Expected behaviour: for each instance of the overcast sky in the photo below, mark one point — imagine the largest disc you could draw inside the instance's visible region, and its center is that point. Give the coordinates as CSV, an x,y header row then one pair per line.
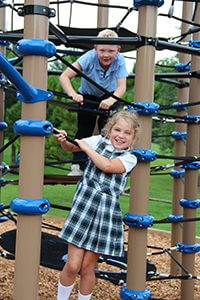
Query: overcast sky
x,y
85,16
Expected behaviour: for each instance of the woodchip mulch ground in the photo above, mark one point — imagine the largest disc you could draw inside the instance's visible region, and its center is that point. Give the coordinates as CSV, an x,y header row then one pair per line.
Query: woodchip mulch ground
x,y
167,289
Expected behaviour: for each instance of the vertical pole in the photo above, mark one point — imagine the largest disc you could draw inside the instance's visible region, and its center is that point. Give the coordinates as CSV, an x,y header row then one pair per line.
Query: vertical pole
x,y
31,166
102,15
178,186
191,178
2,93
144,89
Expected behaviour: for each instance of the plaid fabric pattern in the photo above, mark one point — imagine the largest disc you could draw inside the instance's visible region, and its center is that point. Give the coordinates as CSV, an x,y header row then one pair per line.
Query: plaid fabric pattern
x,y
95,220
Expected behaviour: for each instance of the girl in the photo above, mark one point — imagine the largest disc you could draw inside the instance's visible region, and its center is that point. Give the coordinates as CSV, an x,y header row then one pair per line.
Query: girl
x,y
94,225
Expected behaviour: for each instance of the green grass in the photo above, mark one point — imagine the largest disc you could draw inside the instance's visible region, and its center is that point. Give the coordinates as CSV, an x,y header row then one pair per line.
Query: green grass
x,y
160,188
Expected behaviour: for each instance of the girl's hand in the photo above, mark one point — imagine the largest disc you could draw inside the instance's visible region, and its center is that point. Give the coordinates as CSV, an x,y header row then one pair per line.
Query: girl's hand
x,y
78,98
60,137
107,103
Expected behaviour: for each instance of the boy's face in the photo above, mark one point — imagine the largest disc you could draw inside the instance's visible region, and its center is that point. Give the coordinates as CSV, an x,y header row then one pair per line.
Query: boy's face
x,y
106,54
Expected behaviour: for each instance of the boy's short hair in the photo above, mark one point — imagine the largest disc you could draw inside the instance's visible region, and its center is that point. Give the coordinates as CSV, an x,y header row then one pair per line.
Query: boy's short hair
x,y
107,33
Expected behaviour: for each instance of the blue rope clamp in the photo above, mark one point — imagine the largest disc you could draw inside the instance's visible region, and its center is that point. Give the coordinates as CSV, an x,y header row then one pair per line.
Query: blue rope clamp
x,y
138,3
179,135
2,182
179,106
149,108
181,67
30,206
3,42
36,47
33,127
194,118
127,294
3,126
174,217
188,248
195,165
139,221
144,154
190,203
194,43
177,173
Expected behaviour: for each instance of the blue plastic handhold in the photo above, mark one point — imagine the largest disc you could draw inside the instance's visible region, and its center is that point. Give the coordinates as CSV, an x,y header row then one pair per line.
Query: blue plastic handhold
x,y
30,206
33,127
190,203
139,221
188,248
36,47
127,294
177,173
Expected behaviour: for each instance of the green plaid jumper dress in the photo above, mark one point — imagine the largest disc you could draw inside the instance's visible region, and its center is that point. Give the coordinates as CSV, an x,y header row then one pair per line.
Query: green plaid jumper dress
x,y
95,220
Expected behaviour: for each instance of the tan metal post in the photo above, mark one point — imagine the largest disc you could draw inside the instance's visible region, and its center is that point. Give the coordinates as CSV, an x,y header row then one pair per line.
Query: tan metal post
x,y
2,93
103,13
178,186
144,89
31,166
191,179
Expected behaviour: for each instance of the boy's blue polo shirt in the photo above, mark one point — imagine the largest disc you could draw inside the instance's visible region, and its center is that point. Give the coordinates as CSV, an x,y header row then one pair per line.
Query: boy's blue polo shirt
x,y
91,67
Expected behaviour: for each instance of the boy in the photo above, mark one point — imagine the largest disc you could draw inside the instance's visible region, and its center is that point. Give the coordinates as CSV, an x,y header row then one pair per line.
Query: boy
x,y
106,66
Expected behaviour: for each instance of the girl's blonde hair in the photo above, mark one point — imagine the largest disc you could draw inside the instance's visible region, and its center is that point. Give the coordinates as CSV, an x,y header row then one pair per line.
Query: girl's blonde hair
x,y
107,33
130,117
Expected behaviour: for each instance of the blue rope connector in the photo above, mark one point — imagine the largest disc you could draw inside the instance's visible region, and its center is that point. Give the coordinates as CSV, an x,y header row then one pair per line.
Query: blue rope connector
x,y
188,248
33,127
195,165
139,221
190,203
179,135
177,173
181,67
144,154
149,108
3,125
30,206
126,294
36,47
194,43
174,217
180,105
158,3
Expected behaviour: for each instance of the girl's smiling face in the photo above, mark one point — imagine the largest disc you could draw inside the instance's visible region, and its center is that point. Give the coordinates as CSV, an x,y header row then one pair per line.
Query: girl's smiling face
x,y
121,134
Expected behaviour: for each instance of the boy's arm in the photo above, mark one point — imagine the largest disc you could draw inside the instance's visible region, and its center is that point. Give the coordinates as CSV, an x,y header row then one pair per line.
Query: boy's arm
x,y
119,92
65,80
101,162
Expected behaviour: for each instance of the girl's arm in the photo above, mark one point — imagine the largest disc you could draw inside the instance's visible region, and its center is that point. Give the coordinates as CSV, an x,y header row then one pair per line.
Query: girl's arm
x,y
101,162
119,92
65,80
